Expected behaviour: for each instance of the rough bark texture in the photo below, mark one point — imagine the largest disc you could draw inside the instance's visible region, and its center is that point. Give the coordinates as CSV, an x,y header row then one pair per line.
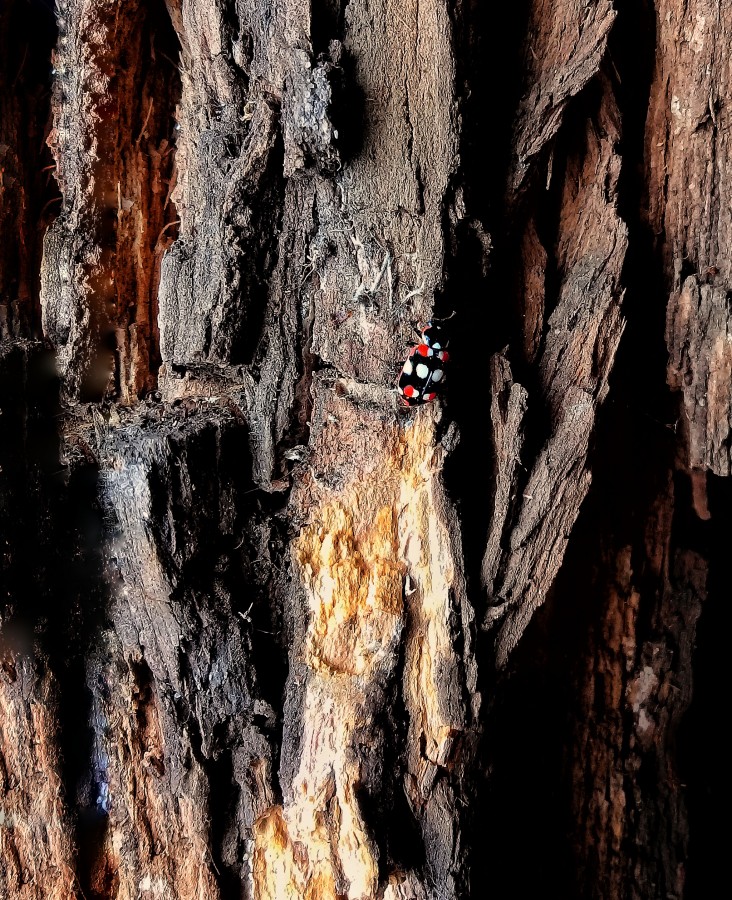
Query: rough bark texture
x,y
239,650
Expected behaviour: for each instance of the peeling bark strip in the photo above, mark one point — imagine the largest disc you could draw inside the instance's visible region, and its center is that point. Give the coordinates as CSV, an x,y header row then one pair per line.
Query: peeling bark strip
x,y
528,534
689,209
381,575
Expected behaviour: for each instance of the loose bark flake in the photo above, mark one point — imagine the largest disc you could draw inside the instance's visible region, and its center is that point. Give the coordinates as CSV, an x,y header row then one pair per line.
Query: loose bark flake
x,y
566,44
528,535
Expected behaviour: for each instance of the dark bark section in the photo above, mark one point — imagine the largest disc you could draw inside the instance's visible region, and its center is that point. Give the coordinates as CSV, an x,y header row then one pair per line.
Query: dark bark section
x,y
185,617
27,191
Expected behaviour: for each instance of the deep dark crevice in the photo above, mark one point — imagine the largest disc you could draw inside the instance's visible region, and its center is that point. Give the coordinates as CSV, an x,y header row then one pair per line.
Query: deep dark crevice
x,y
702,757
490,41
53,591
269,645
260,248
30,195
326,23
71,633
223,795
223,803
382,797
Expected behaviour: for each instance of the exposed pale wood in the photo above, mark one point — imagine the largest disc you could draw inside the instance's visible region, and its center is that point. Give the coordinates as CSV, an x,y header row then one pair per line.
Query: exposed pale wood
x,y
383,588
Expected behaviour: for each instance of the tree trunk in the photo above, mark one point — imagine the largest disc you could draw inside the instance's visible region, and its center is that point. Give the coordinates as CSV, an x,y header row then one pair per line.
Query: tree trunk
x,y
268,632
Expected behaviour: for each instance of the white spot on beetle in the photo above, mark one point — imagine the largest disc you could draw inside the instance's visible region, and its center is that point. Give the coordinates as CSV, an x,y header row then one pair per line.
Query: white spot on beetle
x,y
422,371
437,375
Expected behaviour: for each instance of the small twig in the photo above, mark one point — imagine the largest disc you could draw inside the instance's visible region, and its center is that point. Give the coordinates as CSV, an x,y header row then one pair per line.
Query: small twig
x,y
144,124
52,200
165,228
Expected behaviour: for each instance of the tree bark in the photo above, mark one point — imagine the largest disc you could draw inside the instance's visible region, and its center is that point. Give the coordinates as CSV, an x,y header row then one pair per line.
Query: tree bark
x,y
266,632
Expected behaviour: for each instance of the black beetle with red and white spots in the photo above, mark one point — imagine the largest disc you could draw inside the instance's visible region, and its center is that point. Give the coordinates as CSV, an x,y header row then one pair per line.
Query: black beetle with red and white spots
x,y
423,373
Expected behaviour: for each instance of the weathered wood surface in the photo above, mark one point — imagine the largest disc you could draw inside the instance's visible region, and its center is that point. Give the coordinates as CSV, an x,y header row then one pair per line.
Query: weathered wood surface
x,y
249,666
689,183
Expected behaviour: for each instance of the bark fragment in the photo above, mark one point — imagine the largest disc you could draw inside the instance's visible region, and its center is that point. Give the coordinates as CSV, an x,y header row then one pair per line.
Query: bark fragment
x,y
581,338
699,338
564,48
687,148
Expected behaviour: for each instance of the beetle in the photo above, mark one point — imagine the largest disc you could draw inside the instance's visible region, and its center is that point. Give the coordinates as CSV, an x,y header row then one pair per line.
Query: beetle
x,y
423,373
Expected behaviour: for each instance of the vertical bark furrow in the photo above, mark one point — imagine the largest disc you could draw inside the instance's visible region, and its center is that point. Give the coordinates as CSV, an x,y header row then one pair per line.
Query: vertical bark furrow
x,y
116,89
37,853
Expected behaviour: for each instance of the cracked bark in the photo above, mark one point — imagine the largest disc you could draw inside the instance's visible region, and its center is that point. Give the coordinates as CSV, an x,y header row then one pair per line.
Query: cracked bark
x,y
242,590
